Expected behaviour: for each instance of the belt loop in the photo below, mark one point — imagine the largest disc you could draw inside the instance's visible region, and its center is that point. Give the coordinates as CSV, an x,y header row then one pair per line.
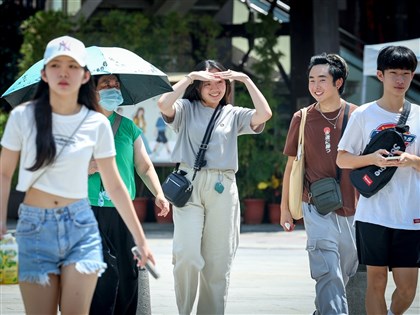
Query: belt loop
x,y
43,214
69,209
20,209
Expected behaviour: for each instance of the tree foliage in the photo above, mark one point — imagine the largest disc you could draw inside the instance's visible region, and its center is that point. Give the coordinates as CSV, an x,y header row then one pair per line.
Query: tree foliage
x,y
37,31
11,16
171,42
204,31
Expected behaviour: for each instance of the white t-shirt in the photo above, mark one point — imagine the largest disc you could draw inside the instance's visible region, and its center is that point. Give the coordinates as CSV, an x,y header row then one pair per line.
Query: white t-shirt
x,y
190,122
397,205
68,175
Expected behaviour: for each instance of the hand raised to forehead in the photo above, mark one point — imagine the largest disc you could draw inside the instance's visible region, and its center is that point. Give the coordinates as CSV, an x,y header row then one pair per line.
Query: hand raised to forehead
x,y
231,75
204,75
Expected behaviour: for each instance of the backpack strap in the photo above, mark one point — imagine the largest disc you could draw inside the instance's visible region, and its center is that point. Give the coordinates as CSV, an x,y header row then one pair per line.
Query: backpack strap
x,y
116,124
401,127
345,119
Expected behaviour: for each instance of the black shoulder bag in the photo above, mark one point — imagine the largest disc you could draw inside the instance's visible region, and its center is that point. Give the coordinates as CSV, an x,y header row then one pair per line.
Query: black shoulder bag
x,y
325,193
176,187
368,180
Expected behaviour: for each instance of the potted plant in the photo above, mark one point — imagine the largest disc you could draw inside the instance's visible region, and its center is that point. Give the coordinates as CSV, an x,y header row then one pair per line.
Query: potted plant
x,y
258,154
253,210
272,189
160,219
140,205
249,174
141,202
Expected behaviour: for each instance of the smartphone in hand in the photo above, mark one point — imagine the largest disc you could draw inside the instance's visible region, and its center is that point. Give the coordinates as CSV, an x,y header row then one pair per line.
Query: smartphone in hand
x,y
395,157
149,266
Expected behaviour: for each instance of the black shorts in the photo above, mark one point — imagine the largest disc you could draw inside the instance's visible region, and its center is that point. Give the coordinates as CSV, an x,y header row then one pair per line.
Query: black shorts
x,y
382,246
161,137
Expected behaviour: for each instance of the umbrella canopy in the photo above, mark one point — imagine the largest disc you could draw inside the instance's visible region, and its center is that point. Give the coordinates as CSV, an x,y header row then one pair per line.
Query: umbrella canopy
x,y
139,79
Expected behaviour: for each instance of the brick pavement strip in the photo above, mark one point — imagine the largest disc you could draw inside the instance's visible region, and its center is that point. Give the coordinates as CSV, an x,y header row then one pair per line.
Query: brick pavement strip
x,y
270,275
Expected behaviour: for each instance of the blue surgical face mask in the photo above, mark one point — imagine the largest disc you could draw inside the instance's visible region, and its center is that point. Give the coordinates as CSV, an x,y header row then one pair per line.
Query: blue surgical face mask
x,y
110,99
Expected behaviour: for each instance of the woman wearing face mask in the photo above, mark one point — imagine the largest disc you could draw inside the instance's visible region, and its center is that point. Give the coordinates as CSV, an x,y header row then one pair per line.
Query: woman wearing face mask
x,y
119,296
52,138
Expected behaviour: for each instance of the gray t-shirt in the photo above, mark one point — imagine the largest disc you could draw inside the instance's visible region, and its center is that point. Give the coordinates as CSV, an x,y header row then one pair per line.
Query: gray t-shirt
x,y
190,123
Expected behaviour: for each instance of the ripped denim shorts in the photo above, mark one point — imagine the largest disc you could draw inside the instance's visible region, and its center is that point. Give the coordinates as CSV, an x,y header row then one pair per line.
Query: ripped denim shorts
x,y
51,238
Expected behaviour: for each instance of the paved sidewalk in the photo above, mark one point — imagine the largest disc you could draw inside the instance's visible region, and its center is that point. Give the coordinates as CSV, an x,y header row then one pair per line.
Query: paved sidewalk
x,y
270,275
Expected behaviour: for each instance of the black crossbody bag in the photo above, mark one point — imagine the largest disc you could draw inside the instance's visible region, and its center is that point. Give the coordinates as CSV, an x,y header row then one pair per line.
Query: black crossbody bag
x,y
368,180
176,187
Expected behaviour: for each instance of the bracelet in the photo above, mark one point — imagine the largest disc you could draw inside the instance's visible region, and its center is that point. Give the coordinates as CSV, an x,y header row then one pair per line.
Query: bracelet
x,y
191,80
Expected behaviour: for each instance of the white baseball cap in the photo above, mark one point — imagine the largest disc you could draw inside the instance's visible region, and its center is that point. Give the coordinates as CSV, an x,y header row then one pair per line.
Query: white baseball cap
x,y
66,46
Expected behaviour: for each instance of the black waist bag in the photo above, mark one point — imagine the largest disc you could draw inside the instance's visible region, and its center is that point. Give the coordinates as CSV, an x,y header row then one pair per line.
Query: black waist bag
x,y
326,195
177,188
370,179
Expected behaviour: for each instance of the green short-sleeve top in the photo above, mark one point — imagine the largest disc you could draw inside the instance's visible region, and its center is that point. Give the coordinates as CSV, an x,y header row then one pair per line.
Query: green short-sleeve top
x,y
125,137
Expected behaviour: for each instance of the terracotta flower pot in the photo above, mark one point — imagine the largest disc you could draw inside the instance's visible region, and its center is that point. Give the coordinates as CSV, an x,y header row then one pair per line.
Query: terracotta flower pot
x,y
254,211
274,213
300,221
160,219
140,205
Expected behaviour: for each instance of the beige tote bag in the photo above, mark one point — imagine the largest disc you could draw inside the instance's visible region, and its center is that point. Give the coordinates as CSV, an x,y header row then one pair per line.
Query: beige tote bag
x,y
297,173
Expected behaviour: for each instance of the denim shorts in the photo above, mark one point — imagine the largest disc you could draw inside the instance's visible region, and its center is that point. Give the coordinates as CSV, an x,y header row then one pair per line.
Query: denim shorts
x,y
51,238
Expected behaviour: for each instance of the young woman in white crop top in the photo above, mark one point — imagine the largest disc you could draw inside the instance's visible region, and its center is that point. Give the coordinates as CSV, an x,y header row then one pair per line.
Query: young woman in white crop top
x,y
55,136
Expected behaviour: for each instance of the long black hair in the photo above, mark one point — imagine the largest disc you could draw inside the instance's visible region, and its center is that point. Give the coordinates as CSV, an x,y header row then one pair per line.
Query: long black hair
x,y
193,93
45,144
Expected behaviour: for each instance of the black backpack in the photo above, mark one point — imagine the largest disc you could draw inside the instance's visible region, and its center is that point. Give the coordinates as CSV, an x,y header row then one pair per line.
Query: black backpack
x,y
368,180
